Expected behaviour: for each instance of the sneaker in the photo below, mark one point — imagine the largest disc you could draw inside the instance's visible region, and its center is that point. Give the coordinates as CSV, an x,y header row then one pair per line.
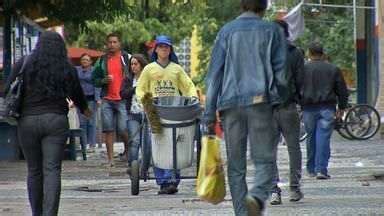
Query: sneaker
x,y
162,190
275,199
123,157
311,175
254,206
322,176
295,195
172,189
91,150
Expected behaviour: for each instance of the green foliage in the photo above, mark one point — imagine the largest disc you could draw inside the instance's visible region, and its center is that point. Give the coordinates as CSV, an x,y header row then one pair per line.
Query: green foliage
x,y
144,20
140,20
333,28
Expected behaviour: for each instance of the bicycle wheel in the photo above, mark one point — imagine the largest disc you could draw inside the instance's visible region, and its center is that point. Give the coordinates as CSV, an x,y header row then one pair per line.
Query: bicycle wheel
x,y
340,128
343,132
362,122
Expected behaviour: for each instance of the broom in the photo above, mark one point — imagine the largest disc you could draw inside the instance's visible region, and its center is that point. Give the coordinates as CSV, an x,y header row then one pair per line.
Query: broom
x,y
153,117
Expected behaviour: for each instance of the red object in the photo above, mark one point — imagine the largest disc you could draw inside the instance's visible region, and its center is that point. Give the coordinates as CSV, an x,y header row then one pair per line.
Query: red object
x,y
218,130
150,44
114,70
74,54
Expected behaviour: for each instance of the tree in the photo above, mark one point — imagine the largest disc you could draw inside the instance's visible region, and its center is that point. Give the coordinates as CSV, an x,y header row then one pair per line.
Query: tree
x,y
140,20
144,20
332,27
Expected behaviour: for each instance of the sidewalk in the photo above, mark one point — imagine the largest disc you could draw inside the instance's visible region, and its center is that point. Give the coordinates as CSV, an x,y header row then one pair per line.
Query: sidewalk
x,y
91,189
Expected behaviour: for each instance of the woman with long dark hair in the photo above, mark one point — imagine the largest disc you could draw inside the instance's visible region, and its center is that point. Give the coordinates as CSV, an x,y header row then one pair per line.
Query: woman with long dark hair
x,y
135,110
49,79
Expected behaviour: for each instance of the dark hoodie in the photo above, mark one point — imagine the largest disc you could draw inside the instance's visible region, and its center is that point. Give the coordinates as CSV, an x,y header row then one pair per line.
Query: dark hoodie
x,y
295,66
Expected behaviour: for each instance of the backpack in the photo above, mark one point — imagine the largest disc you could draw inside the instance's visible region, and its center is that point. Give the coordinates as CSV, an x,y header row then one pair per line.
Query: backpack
x,y
10,106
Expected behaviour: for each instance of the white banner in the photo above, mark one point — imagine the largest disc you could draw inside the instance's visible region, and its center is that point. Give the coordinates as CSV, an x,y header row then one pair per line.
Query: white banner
x,y
295,20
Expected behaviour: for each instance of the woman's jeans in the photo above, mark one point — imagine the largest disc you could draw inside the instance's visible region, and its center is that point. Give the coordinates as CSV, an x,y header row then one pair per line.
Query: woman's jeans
x,y
319,124
141,139
42,139
89,125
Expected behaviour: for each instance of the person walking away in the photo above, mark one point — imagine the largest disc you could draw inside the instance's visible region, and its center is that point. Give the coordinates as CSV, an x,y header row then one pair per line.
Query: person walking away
x,y
245,80
165,77
288,121
322,86
92,94
135,111
49,79
112,75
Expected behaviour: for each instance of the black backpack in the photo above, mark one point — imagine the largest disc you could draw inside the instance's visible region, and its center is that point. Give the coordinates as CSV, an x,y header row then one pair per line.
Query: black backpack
x,y
10,107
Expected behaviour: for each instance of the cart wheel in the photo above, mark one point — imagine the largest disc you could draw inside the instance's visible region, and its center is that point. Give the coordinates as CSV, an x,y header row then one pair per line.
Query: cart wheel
x,y
135,177
362,122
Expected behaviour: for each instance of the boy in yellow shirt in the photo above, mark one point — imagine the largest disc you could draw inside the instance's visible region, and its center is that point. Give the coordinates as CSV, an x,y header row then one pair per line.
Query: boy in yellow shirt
x,y
165,77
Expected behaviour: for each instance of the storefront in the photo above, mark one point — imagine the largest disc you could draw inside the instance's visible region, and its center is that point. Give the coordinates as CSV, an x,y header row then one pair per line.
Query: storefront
x,y
18,37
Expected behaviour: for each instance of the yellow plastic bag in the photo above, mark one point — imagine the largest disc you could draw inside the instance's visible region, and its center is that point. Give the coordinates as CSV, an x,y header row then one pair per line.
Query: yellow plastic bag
x,y
210,185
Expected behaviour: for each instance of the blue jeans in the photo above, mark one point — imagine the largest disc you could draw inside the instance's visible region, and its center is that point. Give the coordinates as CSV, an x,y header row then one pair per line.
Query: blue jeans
x,y
89,125
140,138
319,123
114,114
166,177
256,124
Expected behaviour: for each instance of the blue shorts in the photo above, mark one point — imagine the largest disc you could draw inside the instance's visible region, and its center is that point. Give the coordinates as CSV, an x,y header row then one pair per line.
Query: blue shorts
x,y
114,116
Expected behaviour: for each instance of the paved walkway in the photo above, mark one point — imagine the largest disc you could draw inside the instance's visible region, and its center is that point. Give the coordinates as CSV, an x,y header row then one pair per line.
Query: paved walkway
x,y
90,189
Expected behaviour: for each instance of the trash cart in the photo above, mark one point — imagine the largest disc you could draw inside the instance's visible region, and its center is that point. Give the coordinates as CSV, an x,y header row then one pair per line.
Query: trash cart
x,y
174,147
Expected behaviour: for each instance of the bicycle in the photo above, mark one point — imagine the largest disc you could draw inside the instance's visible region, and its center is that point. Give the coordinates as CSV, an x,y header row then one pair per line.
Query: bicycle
x,y
359,122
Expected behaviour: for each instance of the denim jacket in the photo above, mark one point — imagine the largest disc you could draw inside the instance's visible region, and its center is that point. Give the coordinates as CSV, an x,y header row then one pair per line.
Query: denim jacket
x,y
247,65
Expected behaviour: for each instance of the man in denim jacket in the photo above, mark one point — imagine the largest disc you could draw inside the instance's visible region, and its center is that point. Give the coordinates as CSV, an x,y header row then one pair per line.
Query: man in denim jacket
x,y
244,82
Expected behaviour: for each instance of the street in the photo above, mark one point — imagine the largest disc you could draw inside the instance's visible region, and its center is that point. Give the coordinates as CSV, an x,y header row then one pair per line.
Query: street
x,y
88,188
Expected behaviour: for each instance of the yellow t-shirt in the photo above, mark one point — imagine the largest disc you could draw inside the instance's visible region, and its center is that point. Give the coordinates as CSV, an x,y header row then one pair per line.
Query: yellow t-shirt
x,y
165,81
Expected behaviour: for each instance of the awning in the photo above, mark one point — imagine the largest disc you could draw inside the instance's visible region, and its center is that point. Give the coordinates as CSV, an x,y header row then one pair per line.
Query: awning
x,y
76,52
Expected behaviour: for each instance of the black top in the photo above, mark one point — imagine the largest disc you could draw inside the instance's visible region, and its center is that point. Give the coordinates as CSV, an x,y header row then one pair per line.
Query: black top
x,y
295,66
34,103
322,83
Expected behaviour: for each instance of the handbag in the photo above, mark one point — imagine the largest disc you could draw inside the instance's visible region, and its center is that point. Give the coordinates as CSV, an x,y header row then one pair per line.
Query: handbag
x,y
10,107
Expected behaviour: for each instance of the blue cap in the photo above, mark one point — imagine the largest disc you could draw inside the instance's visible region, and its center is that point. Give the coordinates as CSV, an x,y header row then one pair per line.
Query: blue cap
x,y
163,39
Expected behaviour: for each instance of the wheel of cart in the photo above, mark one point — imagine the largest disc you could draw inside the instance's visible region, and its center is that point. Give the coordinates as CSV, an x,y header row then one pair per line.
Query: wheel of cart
x,y
174,147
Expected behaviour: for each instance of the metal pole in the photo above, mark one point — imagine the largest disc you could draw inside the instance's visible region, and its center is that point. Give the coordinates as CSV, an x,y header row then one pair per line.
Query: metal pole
x,y
338,6
354,22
